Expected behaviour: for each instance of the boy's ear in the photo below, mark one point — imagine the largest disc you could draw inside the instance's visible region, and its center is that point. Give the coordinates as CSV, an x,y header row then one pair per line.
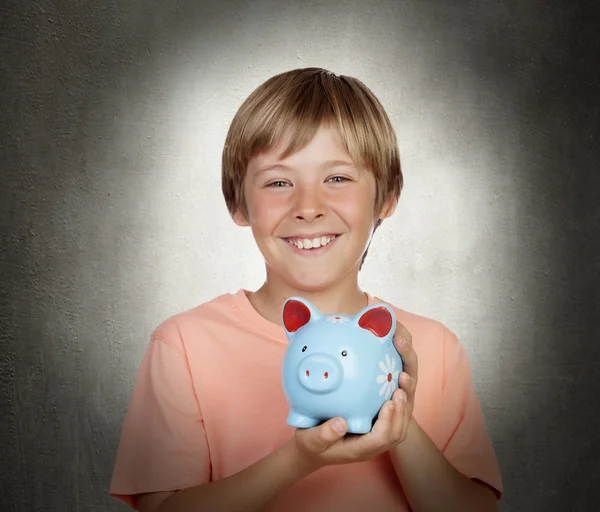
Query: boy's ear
x,y
388,208
239,218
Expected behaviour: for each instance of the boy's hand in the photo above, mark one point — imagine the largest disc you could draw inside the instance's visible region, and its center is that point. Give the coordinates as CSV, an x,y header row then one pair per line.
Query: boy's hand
x,y
407,380
326,445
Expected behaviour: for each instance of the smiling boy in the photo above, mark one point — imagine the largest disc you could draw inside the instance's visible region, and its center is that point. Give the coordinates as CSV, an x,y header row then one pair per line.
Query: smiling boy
x,y
311,165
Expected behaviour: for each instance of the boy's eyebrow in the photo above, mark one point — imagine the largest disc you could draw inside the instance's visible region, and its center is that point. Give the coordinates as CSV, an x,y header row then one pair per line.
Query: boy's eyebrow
x,y
325,165
337,163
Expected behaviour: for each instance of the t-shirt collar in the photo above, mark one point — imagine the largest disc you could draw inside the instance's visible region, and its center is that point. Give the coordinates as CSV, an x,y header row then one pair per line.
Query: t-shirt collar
x,y
255,319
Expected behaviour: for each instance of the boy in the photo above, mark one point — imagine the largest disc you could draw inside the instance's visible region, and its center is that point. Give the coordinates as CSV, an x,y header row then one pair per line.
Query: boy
x,y
311,165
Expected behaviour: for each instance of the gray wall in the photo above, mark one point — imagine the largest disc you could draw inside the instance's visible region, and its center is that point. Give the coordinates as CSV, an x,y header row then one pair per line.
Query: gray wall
x,y
112,121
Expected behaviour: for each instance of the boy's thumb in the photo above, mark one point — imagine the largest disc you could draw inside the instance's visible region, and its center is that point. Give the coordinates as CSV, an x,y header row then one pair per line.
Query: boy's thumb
x,y
328,433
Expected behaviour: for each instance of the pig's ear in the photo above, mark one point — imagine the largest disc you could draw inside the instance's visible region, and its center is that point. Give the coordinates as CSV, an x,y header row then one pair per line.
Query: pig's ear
x,y
379,319
297,312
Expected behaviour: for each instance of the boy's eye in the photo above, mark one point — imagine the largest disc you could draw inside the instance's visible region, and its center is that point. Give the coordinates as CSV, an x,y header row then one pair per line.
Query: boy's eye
x,y
277,184
338,179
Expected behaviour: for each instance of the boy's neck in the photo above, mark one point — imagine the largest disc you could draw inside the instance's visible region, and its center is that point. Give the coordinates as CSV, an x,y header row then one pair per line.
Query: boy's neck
x,y
346,298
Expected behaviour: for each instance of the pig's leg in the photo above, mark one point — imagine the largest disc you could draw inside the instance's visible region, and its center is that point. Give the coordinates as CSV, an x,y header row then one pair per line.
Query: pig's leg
x,y
297,420
360,425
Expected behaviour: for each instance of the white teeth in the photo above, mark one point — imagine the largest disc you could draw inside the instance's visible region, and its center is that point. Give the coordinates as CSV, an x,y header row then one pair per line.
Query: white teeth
x,y
310,244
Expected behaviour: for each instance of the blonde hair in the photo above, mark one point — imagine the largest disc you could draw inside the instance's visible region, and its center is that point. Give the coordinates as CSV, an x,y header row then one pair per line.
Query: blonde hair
x,y
303,100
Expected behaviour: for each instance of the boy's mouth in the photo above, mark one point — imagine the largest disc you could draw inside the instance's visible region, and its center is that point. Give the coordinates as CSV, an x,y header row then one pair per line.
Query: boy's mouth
x,y
312,242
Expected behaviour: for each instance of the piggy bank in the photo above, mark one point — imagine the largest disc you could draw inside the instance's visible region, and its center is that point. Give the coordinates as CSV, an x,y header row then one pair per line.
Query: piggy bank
x,y
338,365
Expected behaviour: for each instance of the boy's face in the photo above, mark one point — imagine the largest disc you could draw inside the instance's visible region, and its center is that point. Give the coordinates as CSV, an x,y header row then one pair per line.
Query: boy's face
x,y
312,214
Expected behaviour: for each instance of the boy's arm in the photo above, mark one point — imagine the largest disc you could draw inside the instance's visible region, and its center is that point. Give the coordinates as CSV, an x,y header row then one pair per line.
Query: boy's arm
x,y
310,449
431,483
252,489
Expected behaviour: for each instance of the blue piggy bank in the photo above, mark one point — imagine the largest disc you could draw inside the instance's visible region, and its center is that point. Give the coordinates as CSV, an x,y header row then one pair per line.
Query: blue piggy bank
x,y
338,365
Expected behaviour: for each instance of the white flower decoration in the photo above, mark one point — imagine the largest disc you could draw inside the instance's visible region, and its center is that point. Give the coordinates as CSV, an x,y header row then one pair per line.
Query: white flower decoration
x,y
389,379
337,319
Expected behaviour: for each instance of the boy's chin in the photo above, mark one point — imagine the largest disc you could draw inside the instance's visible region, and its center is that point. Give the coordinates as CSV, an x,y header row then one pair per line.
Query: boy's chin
x,y
312,283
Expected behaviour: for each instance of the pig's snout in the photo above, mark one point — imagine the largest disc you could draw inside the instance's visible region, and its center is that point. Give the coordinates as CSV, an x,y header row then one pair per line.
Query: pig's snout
x,y
320,373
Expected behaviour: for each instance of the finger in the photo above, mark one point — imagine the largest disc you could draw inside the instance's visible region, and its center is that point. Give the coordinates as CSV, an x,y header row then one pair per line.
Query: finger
x,y
407,383
322,437
353,447
400,409
410,362
366,446
406,419
383,426
403,332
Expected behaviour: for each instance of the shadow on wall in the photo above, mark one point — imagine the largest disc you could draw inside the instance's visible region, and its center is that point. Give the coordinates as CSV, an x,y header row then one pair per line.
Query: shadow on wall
x,y
92,179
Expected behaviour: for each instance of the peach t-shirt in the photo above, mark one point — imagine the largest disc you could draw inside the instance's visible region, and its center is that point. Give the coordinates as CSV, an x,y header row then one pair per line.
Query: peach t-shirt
x,y
208,402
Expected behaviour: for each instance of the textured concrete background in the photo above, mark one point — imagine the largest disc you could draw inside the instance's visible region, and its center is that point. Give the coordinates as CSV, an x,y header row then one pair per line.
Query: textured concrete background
x,y
113,117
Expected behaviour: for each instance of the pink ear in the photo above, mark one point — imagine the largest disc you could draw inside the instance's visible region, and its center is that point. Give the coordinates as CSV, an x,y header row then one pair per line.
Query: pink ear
x,y
295,315
377,320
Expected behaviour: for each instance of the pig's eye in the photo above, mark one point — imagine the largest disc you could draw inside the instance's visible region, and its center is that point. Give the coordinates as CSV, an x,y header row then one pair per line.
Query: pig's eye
x,y
344,353
304,348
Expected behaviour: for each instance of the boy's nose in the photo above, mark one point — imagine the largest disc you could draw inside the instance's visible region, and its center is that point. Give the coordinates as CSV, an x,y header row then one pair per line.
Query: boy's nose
x,y
308,205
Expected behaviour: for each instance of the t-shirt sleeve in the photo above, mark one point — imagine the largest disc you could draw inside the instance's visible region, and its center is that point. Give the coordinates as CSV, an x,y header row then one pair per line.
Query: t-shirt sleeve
x,y
465,439
163,444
